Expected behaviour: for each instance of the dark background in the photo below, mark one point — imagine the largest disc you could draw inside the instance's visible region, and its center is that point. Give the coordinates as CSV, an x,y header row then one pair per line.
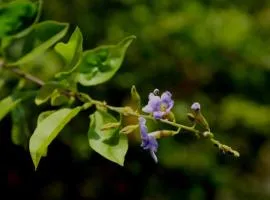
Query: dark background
x,y
215,52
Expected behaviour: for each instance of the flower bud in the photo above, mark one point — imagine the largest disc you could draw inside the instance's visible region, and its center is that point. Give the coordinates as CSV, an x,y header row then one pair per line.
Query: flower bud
x,y
196,107
128,129
207,134
110,126
198,117
135,97
162,133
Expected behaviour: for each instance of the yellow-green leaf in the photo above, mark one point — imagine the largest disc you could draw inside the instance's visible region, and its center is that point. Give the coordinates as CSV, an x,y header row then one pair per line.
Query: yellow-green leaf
x,y
46,131
108,143
26,48
71,52
100,64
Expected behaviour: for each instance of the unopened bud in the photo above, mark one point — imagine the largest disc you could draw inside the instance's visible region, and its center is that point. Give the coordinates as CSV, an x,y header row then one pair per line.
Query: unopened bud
x,y
162,133
207,134
170,117
198,116
135,97
110,126
128,129
196,107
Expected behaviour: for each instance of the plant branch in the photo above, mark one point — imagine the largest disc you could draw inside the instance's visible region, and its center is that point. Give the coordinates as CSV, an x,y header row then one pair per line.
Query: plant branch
x,y
124,110
22,74
27,76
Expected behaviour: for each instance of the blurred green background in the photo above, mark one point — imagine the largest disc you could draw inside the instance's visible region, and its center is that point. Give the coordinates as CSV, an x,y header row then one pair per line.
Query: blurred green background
x,y
216,52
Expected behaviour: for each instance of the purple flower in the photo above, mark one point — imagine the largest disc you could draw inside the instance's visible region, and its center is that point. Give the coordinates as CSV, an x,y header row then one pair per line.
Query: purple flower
x,y
196,106
159,106
149,142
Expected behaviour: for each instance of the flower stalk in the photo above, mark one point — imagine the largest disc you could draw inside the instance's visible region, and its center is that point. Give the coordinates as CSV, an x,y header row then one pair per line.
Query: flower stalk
x,y
159,109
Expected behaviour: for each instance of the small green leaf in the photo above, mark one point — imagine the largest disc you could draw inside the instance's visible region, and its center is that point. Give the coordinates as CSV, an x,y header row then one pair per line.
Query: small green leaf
x,y
46,91
108,143
7,104
58,99
100,64
50,124
41,37
20,132
71,52
16,16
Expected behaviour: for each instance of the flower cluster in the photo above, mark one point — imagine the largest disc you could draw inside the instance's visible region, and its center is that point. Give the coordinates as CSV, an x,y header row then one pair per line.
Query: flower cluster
x,y
159,106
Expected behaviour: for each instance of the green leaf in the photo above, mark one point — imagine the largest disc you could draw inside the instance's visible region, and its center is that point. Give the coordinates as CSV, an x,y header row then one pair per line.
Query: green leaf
x,y
46,91
41,37
71,52
47,129
100,64
16,16
7,104
44,115
58,99
20,131
108,143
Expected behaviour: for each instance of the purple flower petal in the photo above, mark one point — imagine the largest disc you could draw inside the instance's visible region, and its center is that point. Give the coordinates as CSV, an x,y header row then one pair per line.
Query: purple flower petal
x,y
166,96
170,105
159,106
166,99
148,109
153,104
149,142
143,127
158,114
196,106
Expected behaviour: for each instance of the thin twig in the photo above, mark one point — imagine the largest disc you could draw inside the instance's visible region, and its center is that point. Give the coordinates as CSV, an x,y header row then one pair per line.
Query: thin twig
x,y
22,74
27,76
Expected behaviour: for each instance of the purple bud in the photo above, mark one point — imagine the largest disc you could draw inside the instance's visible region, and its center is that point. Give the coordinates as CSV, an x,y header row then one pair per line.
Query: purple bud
x,y
196,106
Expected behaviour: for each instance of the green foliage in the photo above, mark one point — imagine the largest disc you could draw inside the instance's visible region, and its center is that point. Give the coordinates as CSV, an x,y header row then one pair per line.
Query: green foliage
x,y
10,102
16,16
108,143
22,45
20,50
181,43
48,127
71,52
100,64
58,99
20,132
46,92
7,104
